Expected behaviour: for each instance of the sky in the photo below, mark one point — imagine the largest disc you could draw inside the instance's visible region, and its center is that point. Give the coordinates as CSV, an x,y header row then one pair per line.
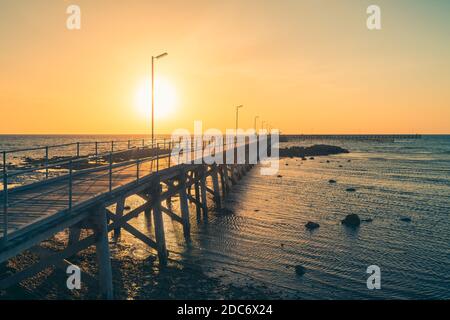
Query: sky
x,y
304,66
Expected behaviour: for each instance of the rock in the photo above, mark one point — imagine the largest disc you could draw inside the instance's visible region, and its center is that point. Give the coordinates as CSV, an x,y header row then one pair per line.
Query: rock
x,y
287,164
328,161
311,158
331,181
351,220
350,189
312,225
349,160
300,270
256,210
405,219
311,151
340,166
279,176
303,159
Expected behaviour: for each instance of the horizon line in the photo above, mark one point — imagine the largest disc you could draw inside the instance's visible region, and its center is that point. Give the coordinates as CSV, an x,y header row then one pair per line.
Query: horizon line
x,y
168,134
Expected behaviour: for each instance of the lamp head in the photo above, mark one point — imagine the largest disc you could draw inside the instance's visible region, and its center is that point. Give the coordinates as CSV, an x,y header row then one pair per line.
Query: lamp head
x,y
161,55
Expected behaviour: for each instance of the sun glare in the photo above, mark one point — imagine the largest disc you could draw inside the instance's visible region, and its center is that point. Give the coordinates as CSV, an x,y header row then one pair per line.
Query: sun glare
x,y
165,98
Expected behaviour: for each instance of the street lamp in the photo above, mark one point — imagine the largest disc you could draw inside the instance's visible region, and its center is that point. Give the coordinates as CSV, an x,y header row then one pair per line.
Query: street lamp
x,y
237,116
153,92
256,117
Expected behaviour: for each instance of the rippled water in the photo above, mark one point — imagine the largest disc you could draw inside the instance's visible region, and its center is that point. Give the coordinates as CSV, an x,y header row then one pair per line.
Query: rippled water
x,y
265,236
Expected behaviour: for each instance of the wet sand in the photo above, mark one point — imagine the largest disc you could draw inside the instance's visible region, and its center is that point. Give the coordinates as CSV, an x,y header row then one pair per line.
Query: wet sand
x,y
132,278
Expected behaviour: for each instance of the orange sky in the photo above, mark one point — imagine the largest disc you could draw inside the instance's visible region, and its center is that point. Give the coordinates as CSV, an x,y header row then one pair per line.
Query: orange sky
x,y
304,66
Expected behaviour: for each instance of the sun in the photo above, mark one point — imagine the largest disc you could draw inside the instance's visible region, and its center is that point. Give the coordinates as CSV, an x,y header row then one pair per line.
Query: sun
x,y
165,98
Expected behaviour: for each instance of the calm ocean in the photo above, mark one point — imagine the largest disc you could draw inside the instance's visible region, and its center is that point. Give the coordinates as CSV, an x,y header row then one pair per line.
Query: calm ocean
x,y
265,236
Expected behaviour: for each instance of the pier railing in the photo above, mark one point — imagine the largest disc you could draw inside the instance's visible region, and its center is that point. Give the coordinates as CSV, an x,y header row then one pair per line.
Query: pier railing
x,y
80,178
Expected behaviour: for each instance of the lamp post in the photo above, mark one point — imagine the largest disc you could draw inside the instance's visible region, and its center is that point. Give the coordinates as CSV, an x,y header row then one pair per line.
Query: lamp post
x,y
254,125
237,116
153,92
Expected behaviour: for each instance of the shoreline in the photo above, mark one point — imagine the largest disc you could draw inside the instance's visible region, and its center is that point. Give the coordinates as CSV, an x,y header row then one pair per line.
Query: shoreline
x,y
133,279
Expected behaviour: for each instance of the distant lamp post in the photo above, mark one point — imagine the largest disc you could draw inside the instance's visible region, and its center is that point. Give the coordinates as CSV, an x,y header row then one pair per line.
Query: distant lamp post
x,y
237,116
254,125
153,93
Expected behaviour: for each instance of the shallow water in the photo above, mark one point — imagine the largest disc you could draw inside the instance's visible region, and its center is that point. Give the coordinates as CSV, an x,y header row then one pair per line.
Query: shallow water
x,y
393,180
265,236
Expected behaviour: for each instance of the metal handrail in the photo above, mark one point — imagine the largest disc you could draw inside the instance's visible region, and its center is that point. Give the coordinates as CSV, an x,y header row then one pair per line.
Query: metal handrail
x,y
74,143
110,165
65,161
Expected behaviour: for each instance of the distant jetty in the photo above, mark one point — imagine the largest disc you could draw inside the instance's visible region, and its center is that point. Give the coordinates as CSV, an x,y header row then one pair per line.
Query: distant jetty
x,y
315,150
366,137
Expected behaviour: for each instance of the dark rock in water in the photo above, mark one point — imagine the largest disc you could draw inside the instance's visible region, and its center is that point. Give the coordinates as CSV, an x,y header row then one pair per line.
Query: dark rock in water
x,y
405,219
279,176
332,181
367,220
299,270
312,225
350,189
351,220
315,150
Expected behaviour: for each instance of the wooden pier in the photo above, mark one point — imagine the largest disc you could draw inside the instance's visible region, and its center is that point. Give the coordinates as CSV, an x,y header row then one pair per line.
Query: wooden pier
x,y
81,199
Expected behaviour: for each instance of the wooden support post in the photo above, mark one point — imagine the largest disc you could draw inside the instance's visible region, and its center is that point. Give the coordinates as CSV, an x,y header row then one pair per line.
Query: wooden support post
x,y
227,177
197,194
119,213
184,206
148,216
215,179
222,180
74,235
102,250
159,225
203,192
233,174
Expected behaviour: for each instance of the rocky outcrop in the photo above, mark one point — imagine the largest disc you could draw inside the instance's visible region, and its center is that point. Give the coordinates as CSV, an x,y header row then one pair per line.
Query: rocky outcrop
x,y
315,150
